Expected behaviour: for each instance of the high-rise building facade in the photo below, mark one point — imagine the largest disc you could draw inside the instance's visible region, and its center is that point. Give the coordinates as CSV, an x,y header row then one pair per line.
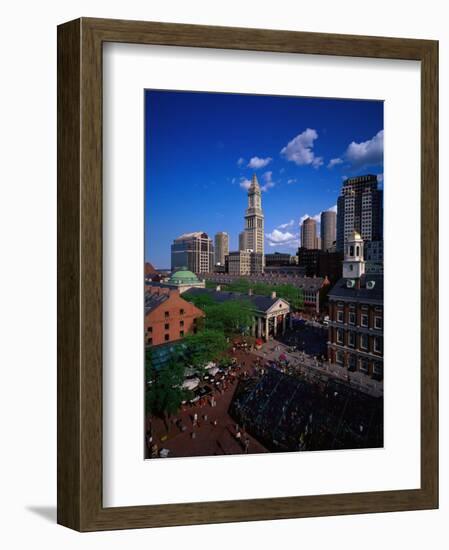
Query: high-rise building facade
x,y
359,208
328,230
254,219
242,241
221,247
308,234
245,262
193,251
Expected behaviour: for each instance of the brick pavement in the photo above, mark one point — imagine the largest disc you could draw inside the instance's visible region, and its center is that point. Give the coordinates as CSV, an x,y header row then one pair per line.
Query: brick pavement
x,y
209,439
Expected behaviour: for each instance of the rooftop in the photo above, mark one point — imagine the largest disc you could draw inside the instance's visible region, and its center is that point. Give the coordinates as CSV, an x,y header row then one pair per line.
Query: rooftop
x,y
153,300
194,235
261,303
363,293
183,276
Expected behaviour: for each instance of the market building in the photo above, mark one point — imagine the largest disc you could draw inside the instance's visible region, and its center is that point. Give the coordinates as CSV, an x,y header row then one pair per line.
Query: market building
x,y
272,314
181,280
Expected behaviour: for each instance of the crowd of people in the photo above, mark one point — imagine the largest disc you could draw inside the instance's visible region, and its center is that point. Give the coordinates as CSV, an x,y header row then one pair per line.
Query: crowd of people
x,y
198,412
290,411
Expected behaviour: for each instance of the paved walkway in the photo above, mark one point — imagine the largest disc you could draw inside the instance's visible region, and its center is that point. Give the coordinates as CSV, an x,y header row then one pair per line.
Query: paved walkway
x,y
209,439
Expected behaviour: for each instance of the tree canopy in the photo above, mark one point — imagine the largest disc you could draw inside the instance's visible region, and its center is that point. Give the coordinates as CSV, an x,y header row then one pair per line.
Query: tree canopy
x,y
230,317
164,391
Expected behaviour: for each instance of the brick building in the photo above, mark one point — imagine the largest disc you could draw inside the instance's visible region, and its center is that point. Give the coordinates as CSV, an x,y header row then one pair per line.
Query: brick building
x,y
168,317
356,316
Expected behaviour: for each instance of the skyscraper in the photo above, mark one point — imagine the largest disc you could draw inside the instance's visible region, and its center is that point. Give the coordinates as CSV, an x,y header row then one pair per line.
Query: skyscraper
x,y
193,251
221,247
328,230
308,234
359,208
254,218
242,241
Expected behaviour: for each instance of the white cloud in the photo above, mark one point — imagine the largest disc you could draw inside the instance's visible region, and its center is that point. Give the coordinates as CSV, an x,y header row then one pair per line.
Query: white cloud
x,y
291,181
257,162
366,153
300,149
245,183
268,179
291,223
282,238
241,161
334,162
317,217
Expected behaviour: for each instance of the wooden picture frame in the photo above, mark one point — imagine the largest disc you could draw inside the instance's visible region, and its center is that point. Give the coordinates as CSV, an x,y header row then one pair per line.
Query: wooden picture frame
x,y
80,504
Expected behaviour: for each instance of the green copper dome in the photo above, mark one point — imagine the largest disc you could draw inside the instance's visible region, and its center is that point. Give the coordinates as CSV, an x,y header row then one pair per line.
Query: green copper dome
x,y
183,277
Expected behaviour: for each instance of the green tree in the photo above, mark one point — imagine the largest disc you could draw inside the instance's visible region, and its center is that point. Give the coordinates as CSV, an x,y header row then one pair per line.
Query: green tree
x,y
203,347
234,316
164,394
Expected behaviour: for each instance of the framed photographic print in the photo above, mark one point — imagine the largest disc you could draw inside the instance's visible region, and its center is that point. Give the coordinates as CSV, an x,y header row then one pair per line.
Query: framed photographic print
x,y
247,288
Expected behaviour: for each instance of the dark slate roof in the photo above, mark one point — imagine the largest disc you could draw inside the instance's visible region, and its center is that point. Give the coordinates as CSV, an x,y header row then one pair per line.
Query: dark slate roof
x,y
261,303
362,294
153,300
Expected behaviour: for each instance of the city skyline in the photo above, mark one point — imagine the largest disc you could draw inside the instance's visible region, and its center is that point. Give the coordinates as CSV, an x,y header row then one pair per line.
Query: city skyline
x,y
202,150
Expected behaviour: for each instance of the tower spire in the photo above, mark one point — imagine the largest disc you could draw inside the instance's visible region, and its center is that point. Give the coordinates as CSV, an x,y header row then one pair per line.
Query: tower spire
x,y
255,182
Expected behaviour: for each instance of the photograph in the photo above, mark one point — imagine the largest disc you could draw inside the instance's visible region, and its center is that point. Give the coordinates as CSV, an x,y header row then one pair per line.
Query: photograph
x,y
263,313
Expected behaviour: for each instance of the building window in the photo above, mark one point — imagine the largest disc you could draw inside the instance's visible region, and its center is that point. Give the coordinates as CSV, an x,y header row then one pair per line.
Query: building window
x,y
364,341
352,362
167,337
150,329
181,312
378,344
340,316
364,320
378,322
378,369
339,336
339,357
167,326
167,315
363,365
351,318
181,333
181,323
351,339
150,341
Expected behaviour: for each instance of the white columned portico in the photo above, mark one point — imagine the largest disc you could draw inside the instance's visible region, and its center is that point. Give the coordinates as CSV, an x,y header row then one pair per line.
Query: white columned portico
x,y
275,327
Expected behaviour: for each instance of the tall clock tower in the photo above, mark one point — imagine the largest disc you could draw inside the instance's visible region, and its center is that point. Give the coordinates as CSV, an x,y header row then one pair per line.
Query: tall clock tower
x,y
254,218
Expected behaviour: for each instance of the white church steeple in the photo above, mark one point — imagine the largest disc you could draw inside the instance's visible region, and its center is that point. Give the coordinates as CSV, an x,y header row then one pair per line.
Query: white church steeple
x,y
353,263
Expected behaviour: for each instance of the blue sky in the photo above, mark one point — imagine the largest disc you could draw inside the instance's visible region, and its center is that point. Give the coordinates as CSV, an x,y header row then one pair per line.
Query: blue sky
x,y
202,148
